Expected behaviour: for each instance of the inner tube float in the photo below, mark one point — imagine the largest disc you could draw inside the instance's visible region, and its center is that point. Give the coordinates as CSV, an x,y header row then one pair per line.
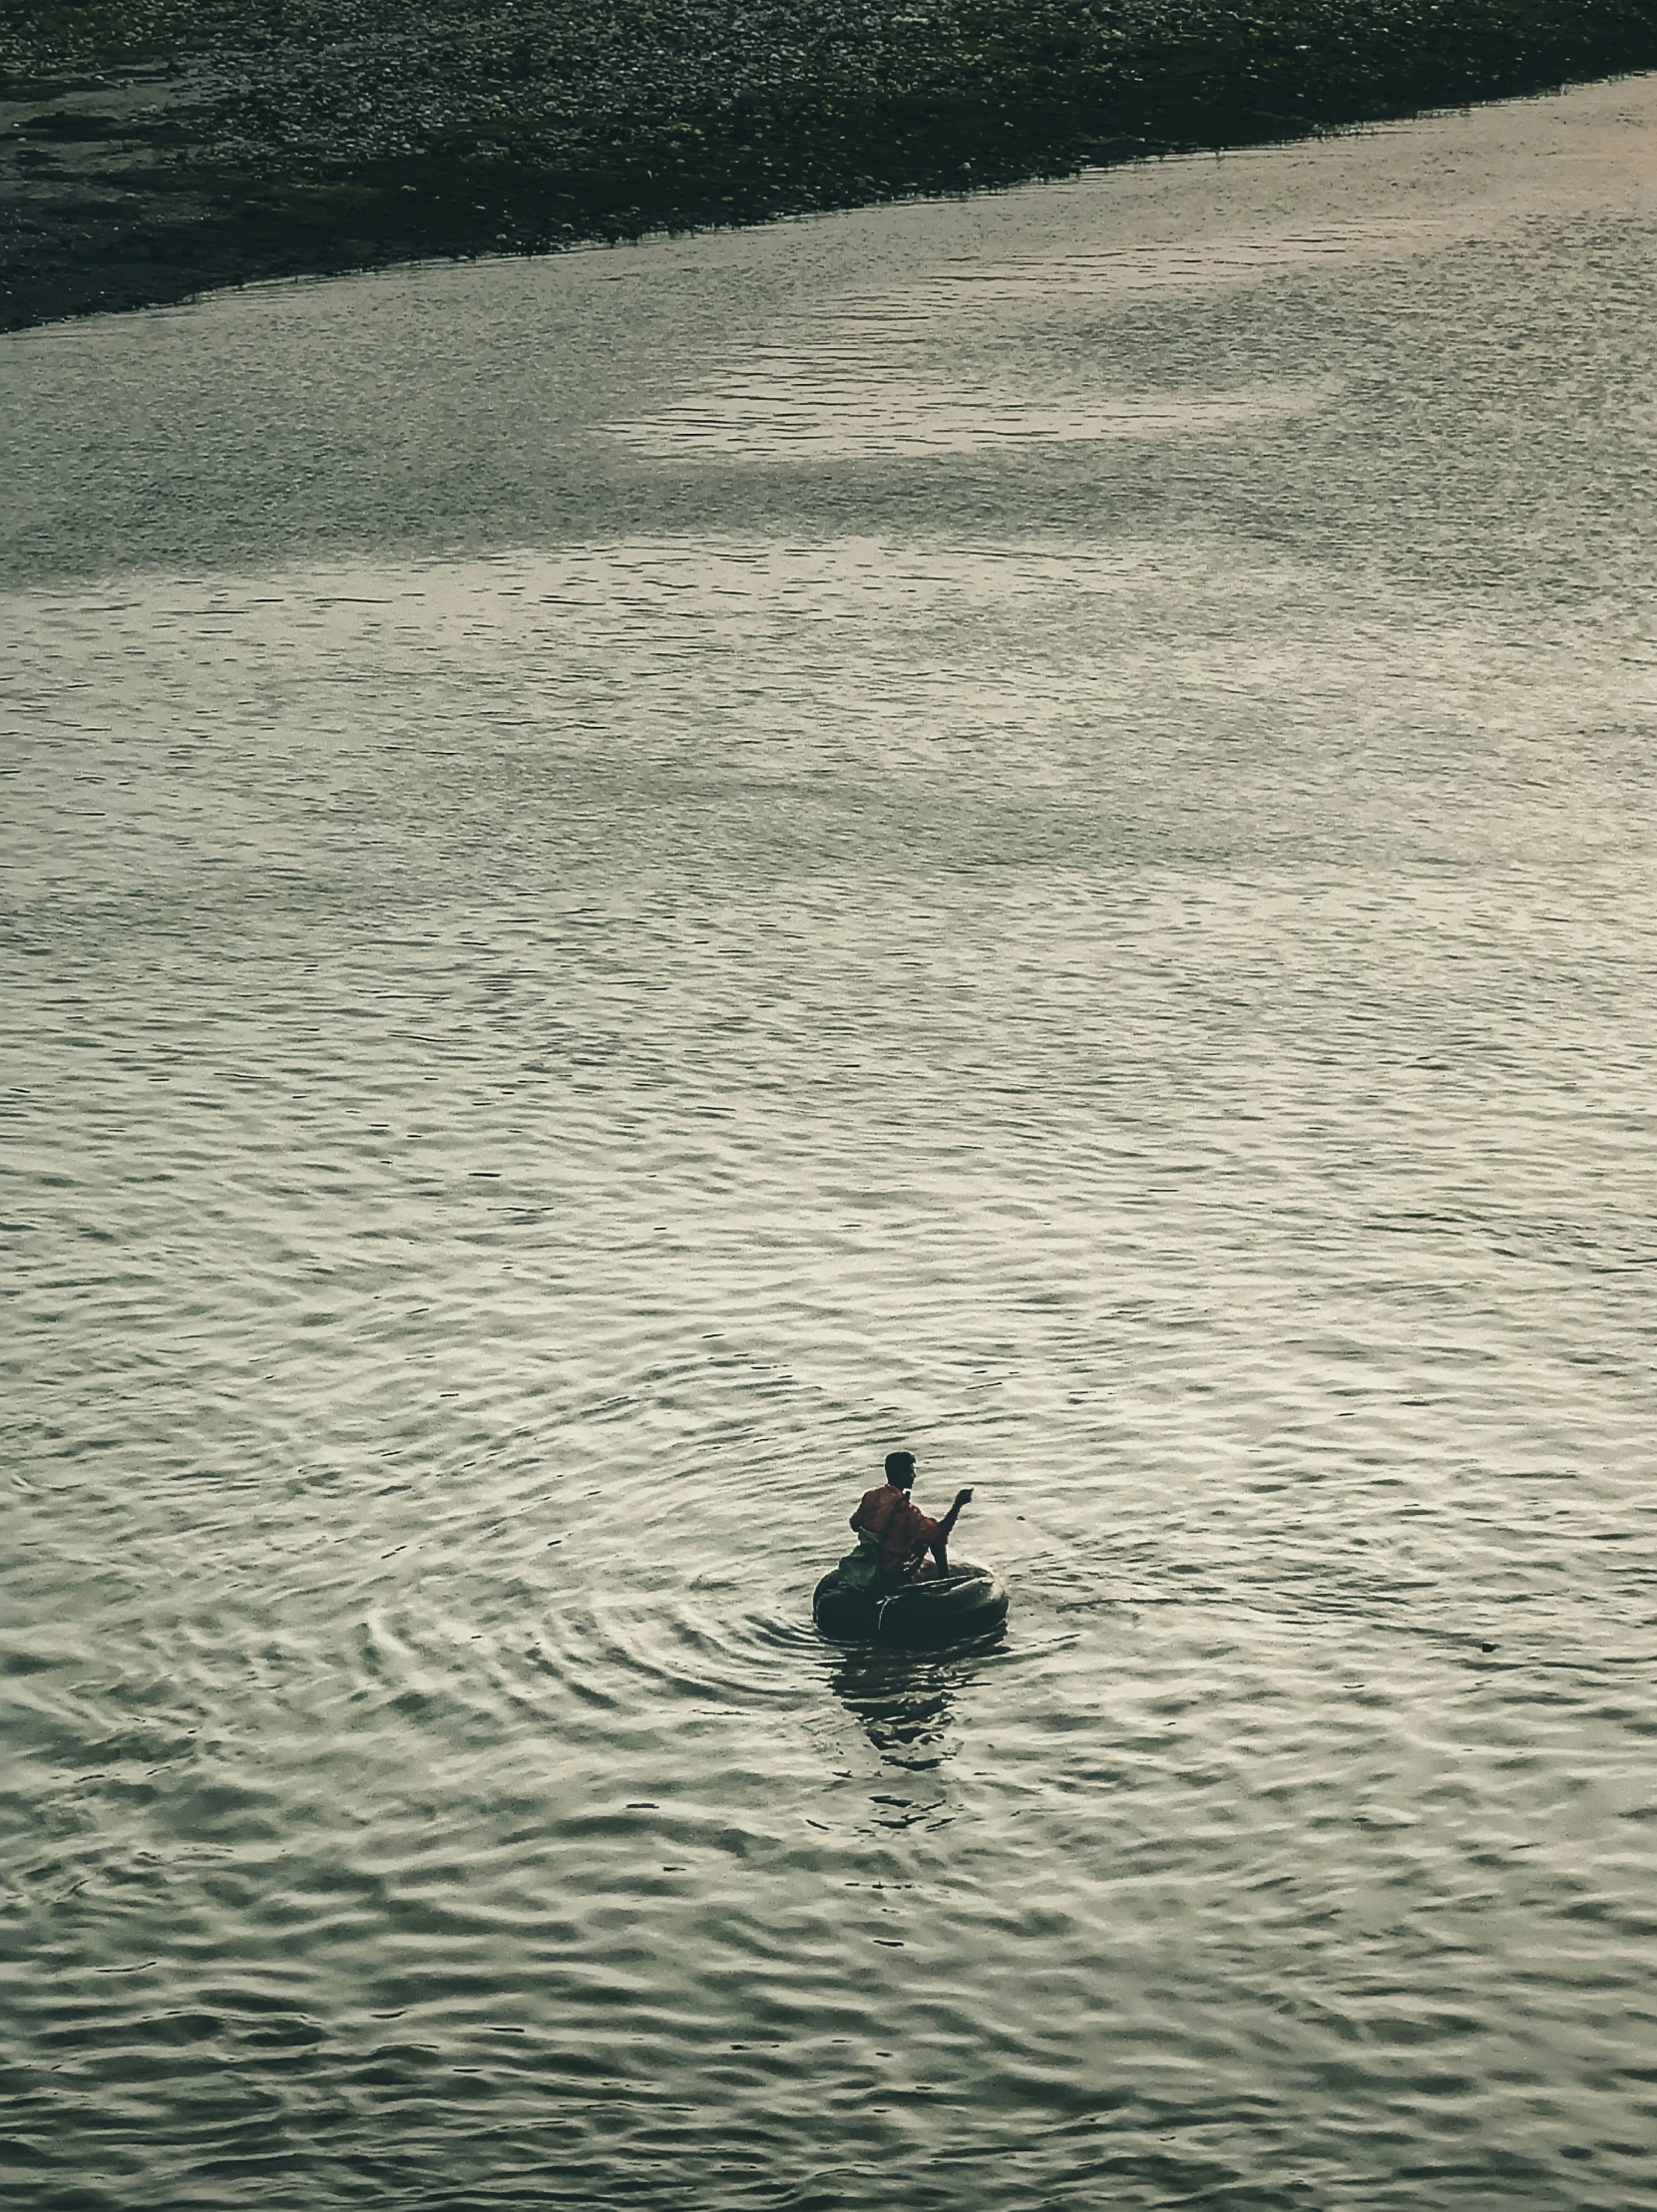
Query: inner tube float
x,y
968,1601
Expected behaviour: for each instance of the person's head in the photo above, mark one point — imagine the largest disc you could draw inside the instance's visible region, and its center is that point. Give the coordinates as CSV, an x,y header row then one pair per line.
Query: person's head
x,y
900,1469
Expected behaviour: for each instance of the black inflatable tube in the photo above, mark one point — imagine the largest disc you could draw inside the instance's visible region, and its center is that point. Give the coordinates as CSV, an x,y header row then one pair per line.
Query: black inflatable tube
x,y
918,1615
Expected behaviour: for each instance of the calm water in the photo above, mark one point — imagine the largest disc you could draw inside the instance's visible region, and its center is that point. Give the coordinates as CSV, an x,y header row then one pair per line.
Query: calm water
x,y
1022,828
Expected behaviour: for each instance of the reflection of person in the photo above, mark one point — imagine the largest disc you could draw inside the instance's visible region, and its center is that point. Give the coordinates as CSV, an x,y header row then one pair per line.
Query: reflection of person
x,y
891,1526
905,1708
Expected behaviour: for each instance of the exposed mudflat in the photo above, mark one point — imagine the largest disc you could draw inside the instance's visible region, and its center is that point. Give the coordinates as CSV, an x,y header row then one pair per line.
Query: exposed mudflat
x,y
150,152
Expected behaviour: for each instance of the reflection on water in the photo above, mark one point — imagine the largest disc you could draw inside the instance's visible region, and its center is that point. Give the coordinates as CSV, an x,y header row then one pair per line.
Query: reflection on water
x,y
1020,828
904,1703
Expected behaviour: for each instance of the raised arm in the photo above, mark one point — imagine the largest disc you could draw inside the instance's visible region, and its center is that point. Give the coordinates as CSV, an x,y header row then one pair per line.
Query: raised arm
x,y
940,1542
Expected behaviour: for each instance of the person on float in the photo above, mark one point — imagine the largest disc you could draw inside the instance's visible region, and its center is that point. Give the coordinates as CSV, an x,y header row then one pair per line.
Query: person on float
x,y
895,1535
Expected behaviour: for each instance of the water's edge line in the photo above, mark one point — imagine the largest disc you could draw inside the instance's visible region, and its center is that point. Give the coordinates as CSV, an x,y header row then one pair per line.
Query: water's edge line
x,y
185,231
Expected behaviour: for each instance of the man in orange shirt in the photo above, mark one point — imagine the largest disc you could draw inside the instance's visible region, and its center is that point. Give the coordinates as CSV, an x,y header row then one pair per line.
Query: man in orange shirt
x,y
897,1531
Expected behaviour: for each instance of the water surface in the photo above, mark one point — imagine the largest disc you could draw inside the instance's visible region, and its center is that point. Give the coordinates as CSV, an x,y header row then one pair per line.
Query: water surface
x,y
1020,828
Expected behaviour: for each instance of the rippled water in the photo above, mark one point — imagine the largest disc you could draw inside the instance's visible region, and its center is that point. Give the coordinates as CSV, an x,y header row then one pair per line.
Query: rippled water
x,y
1022,828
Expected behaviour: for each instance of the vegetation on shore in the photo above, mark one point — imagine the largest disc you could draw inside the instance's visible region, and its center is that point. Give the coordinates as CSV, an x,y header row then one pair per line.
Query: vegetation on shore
x,y
160,146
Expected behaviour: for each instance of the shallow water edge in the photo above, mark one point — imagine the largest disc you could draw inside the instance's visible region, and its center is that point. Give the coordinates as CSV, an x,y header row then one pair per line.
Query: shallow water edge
x,y
145,164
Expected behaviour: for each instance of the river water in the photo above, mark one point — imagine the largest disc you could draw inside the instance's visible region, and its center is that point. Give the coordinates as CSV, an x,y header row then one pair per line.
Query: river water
x,y
1018,827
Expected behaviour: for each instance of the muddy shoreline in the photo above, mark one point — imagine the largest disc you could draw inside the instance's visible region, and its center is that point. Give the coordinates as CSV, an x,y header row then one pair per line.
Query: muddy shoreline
x,y
248,140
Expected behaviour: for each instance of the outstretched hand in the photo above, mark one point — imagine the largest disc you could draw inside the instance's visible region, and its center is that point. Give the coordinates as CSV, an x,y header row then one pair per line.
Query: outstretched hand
x,y
962,1497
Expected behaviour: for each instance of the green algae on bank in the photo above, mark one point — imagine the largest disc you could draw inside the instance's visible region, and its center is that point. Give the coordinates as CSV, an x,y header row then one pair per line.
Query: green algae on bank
x,y
154,149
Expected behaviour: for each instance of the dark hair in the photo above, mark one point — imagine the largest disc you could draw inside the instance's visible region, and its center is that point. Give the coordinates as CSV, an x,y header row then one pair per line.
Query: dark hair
x,y
900,1468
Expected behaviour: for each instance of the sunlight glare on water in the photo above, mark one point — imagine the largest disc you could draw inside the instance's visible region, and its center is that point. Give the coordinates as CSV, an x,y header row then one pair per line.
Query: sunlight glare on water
x,y
1020,828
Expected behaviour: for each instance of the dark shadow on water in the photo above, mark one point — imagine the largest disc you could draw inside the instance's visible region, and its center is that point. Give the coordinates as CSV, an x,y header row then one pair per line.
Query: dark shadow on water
x,y
905,1700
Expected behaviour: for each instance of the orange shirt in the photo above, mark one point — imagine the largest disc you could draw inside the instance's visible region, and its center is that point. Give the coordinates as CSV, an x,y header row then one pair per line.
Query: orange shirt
x,y
901,1530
